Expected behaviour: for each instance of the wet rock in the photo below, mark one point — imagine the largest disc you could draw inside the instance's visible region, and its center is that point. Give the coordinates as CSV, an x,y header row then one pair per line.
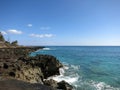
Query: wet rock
x,y
64,85
58,85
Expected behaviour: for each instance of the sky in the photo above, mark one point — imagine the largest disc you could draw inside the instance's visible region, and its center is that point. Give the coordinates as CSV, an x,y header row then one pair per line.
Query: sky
x,y
61,22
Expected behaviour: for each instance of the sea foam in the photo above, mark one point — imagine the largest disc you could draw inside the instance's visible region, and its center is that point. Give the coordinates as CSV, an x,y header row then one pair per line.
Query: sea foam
x,y
93,85
69,74
46,48
65,75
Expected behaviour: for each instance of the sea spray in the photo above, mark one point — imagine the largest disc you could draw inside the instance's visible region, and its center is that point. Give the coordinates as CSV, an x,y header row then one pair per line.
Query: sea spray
x,y
69,74
65,75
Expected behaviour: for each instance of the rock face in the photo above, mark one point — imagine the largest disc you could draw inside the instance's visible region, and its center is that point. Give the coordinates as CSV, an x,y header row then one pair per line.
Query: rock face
x,y
13,54
59,85
33,70
30,74
48,64
64,85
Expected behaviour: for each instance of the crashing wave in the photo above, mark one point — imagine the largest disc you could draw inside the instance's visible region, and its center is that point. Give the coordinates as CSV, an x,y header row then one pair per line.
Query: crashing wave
x,y
92,85
103,86
69,73
46,48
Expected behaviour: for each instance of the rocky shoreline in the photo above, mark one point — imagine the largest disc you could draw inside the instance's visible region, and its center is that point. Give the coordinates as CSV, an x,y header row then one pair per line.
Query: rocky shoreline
x,y
12,54
17,66
20,71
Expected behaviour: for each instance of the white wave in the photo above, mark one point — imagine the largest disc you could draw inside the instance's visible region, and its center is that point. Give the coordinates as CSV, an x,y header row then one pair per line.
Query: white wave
x,y
103,86
68,73
69,78
77,81
92,85
46,48
75,67
66,67
38,50
62,71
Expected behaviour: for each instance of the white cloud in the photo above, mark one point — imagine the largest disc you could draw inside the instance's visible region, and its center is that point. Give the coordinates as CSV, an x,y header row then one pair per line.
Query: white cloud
x,y
3,32
45,28
29,25
42,35
13,31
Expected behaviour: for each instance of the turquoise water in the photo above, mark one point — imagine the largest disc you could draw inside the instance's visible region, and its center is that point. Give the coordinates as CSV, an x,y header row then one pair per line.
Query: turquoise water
x,y
88,67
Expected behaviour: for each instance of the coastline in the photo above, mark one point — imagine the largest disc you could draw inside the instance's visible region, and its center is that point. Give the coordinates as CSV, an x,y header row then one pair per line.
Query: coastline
x,y
17,66
32,70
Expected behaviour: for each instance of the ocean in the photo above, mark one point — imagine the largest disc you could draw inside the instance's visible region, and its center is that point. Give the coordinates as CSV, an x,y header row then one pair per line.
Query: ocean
x,y
87,67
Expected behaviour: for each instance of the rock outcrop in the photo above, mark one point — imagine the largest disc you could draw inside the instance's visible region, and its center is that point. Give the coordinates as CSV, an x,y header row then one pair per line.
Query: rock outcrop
x,y
19,69
48,64
34,70
59,85
13,54
31,69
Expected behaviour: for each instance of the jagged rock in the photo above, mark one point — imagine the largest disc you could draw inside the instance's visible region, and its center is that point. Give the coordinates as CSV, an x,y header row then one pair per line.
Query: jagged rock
x,y
48,64
51,83
58,85
30,74
64,86
31,69
13,54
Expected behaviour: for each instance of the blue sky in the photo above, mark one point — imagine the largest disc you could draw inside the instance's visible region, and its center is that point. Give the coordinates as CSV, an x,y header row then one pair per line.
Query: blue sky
x,y
61,22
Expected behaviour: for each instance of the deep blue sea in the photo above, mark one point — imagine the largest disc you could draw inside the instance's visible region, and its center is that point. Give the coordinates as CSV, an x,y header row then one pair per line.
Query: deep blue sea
x,y
87,67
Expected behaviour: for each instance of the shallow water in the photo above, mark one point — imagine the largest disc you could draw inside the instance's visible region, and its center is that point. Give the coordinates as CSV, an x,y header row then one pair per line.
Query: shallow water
x,y
88,67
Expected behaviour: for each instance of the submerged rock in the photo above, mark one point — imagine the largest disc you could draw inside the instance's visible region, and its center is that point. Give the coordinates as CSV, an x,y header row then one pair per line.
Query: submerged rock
x,y
64,85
